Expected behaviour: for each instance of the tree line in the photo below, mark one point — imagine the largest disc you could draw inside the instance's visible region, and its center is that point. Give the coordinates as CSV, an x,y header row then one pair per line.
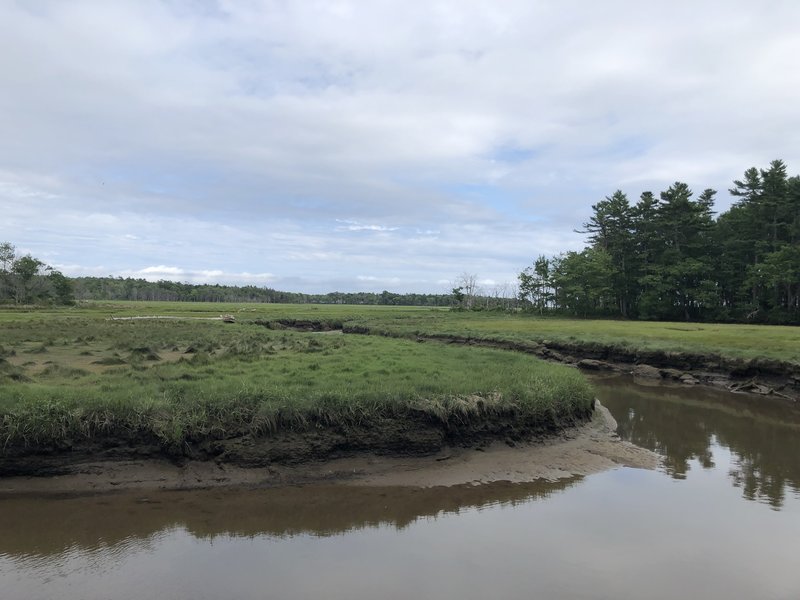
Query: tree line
x,y
668,257
25,280
118,288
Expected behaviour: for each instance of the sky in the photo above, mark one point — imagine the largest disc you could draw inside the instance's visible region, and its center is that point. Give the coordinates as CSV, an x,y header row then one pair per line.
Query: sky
x,y
344,146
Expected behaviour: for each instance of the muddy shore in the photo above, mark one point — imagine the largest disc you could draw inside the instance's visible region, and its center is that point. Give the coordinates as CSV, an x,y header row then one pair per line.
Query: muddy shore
x,y
407,433
582,450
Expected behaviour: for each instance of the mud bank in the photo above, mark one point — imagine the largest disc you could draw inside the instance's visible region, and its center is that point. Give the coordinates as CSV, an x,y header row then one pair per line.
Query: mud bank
x,y
407,433
761,376
582,450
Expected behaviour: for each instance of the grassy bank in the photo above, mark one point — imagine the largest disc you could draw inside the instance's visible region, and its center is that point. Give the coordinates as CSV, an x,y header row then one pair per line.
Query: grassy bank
x,y
68,378
726,340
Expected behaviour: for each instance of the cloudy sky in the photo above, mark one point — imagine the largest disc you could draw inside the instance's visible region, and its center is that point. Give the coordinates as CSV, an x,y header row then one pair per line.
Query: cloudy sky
x,y
319,146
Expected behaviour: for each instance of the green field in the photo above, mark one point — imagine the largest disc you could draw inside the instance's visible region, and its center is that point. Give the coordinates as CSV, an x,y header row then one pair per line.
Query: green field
x,y
727,340
74,374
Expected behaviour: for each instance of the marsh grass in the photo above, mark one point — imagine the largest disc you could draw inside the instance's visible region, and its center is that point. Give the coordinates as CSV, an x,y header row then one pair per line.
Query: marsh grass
x,y
72,374
714,339
178,382
726,340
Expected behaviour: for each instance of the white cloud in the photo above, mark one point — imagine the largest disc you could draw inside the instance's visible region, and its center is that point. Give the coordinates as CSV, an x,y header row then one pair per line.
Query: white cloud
x,y
380,280
349,225
458,135
161,270
164,272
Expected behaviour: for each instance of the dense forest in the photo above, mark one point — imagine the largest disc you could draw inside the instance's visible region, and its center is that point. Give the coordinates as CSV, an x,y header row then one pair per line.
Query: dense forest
x,y
667,257
26,280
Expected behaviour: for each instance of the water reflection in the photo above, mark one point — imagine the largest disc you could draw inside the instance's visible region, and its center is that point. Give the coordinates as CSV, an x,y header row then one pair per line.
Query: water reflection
x,y
48,526
684,424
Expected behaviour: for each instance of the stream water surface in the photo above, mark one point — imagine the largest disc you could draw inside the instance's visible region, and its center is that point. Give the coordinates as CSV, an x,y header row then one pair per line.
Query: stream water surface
x,y
719,519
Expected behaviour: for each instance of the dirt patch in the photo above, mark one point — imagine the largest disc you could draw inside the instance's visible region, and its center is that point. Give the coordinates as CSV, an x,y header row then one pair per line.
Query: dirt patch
x,y
590,448
300,325
94,358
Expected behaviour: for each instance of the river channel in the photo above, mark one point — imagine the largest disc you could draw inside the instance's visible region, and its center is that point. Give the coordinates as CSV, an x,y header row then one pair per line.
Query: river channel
x,y
720,518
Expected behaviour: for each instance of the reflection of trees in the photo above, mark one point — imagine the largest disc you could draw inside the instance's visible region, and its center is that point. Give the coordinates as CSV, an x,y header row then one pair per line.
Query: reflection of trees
x,y
661,427
682,423
51,526
755,485
770,464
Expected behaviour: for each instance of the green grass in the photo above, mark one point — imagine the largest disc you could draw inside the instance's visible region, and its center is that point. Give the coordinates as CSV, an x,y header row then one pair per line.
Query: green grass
x,y
101,310
72,375
726,340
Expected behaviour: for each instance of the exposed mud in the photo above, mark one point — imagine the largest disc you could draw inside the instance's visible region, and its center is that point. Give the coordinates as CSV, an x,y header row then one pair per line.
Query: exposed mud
x,y
300,325
411,433
582,450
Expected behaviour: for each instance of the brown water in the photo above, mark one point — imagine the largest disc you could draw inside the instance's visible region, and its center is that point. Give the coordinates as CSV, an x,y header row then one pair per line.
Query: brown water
x,y
721,519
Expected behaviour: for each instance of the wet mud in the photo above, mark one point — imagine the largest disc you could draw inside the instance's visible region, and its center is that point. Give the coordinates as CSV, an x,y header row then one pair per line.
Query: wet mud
x,y
578,451
414,434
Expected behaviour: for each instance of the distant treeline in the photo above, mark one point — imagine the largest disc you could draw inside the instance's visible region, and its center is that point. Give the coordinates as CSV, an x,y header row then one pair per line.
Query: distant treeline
x,y
117,288
667,257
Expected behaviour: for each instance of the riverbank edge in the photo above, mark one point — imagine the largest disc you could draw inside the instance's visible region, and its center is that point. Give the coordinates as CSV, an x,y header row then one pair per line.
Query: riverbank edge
x,y
577,451
414,433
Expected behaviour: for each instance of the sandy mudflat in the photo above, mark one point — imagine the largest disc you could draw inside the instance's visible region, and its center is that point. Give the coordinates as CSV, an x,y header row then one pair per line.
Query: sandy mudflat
x,y
584,450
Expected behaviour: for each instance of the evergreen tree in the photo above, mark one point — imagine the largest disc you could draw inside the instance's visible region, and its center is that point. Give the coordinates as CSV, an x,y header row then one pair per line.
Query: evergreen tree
x,y
611,229
535,284
582,282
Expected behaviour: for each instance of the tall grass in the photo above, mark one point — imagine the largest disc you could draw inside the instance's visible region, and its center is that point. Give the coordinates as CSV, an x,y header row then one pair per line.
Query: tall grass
x,y
72,374
177,382
725,340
